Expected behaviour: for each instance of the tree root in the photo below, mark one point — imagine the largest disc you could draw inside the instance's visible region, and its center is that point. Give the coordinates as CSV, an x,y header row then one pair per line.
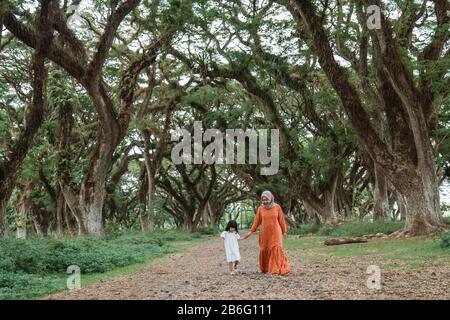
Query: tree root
x,y
362,239
426,230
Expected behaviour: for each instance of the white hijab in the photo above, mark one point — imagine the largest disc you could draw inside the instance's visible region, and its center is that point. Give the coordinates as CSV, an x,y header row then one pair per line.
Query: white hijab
x,y
270,196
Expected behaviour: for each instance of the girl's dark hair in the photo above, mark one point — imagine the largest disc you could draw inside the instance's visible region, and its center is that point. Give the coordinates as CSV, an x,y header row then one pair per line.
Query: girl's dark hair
x,y
232,224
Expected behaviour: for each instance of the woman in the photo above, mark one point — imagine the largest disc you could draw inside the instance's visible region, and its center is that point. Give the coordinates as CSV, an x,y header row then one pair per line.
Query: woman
x,y
273,227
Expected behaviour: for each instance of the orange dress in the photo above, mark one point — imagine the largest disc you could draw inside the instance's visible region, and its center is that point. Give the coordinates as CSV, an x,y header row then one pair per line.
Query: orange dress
x,y
273,225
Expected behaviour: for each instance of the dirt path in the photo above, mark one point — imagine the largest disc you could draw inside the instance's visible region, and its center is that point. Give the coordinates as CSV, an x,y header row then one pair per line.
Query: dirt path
x,y
201,273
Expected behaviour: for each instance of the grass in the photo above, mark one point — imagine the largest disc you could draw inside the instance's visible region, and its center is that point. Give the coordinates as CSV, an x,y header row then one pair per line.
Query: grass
x,y
415,253
36,267
447,220
360,228
208,230
445,240
350,229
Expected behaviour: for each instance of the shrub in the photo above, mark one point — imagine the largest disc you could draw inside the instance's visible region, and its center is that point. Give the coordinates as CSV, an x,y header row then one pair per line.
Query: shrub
x,y
447,220
24,285
327,231
358,228
208,230
6,264
196,235
26,256
103,255
350,229
304,229
91,254
445,240
35,267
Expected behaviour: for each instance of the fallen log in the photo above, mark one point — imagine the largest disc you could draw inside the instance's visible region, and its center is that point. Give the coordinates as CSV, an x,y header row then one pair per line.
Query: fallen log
x,y
377,235
334,242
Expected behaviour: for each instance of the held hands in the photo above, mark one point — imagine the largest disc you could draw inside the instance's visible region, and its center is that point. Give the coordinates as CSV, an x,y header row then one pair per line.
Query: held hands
x,y
248,234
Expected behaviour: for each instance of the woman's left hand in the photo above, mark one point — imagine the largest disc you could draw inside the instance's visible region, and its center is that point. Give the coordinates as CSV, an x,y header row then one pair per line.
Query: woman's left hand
x,y
248,234
285,236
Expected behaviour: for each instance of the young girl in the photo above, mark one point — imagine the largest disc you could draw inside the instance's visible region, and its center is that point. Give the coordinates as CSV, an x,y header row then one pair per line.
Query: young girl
x,y
230,241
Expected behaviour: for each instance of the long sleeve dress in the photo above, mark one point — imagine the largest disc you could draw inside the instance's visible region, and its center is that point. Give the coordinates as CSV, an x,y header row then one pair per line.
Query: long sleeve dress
x,y
271,254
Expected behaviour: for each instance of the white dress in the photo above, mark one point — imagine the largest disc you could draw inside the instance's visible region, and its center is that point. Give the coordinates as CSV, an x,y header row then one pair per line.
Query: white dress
x,y
231,245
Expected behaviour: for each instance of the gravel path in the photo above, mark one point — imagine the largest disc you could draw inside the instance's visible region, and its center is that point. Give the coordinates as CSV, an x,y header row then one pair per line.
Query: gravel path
x,y
201,273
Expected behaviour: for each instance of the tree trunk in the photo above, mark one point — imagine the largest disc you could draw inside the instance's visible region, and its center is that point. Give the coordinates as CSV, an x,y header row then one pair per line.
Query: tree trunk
x,y
216,214
143,192
92,217
197,217
38,227
21,229
151,199
5,194
313,216
189,225
25,210
344,204
60,204
400,205
193,228
380,189
87,206
74,207
145,223
321,209
421,203
206,221
401,208
3,222
328,212
93,191
67,218
380,193
150,168
213,222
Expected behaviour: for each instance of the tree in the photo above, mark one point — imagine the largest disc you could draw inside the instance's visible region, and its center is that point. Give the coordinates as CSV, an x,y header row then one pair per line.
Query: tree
x,y
70,53
413,173
10,163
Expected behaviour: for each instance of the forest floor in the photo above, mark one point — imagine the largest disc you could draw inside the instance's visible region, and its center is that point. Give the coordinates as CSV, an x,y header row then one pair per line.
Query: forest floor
x,y
410,269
